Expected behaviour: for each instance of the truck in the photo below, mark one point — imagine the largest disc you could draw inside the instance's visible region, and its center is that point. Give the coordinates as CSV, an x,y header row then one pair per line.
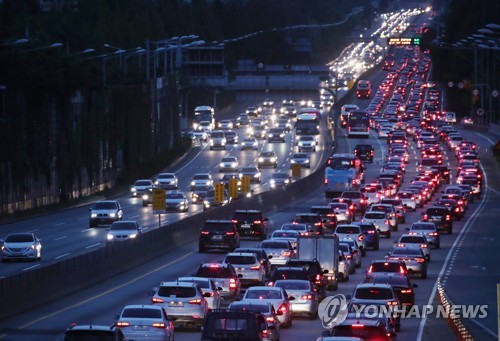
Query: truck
x,y
325,249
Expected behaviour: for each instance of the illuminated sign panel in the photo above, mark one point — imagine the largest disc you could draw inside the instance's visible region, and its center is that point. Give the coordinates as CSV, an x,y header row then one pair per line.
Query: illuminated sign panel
x,y
403,41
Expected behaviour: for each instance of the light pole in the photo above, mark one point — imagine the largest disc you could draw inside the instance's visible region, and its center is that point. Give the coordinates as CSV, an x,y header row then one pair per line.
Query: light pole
x,y
42,48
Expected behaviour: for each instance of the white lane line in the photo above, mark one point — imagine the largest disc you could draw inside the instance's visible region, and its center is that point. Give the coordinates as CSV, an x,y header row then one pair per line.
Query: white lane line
x,y
133,217
194,158
34,230
61,256
86,230
93,245
486,138
59,238
31,267
59,224
452,251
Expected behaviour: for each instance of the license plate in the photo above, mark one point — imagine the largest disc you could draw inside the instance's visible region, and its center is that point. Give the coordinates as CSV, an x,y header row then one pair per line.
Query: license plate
x,y
217,237
176,304
140,327
245,226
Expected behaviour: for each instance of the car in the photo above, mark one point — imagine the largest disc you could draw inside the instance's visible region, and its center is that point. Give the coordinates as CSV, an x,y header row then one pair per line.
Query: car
x,y
123,230
146,321
276,296
306,143
356,250
356,327
267,158
229,164
387,266
199,192
265,309
440,216
261,256
250,223
276,134
372,193
371,233
313,221
456,211
93,332
305,297
235,325
302,229
301,159
358,199
399,208
291,235
259,132
140,186
183,300
327,214
218,234
105,212
167,181
21,245
226,125
281,251
205,126
243,119
379,219
247,265
350,255
201,179
353,231
315,273
342,212
280,180
231,137
224,276
429,230
408,199
253,172
364,152
176,201
415,240
210,202
198,136
249,143
283,123
210,291
413,257
390,212
217,139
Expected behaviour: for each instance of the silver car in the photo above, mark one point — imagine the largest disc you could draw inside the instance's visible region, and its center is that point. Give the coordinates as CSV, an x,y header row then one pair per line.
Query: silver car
x,y
141,186
274,295
280,180
301,159
123,230
342,212
183,300
248,266
105,212
291,235
347,251
379,219
415,240
357,253
176,201
280,250
209,289
201,179
229,164
305,297
249,143
413,257
408,199
429,230
302,229
167,181
21,246
146,322
306,143
224,276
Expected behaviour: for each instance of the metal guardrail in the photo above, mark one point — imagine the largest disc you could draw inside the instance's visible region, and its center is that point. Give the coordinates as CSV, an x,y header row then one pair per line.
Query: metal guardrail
x,y
454,319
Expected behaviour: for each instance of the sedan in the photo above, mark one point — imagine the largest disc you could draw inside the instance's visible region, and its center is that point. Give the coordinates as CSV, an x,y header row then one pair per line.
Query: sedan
x,y
253,172
268,158
305,297
176,201
280,180
274,295
280,250
429,230
301,159
302,229
229,164
413,257
21,246
226,125
416,240
123,230
141,322
207,286
141,186
167,181
291,235
249,143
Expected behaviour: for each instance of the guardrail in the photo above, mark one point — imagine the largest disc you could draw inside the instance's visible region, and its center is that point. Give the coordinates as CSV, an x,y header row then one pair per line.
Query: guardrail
x,y
476,127
454,320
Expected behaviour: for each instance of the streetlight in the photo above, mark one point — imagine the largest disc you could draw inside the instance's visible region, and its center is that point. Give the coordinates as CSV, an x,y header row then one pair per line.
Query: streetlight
x,y
54,45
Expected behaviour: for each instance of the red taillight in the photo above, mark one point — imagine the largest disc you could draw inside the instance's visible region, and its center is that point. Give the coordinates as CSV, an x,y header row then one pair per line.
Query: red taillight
x,y
425,217
256,267
433,234
387,222
270,284
286,253
230,233
358,325
348,257
420,260
326,181
232,284
371,232
424,245
205,232
406,291
361,237
195,301
402,270
307,297
392,303
370,269
157,300
265,333
318,278
123,324
257,222
460,202
448,217
283,308
361,201
304,233
234,221
269,319
158,325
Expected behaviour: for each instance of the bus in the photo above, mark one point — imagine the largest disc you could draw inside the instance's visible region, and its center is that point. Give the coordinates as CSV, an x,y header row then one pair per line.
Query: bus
x,y
203,113
358,124
308,122
343,172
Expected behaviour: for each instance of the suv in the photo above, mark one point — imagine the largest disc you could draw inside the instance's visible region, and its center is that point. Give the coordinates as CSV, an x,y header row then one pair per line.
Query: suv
x,y
105,212
358,199
316,274
288,272
248,265
364,152
313,221
267,158
387,266
183,300
217,139
353,231
224,276
235,325
440,216
93,332
327,214
250,223
219,234
261,256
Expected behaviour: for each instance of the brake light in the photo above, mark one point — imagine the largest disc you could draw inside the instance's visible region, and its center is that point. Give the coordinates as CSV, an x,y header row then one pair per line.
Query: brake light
x,y
123,324
361,237
402,270
392,303
269,319
370,269
387,222
230,233
195,301
420,260
361,201
457,209
286,253
234,221
406,291
448,217
433,234
257,222
401,245
270,284
460,202
425,217
157,300
205,232
158,325
358,325
326,181
232,283
424,245
283,307
318,278
211,293
307,297
371,232
317,224
256,267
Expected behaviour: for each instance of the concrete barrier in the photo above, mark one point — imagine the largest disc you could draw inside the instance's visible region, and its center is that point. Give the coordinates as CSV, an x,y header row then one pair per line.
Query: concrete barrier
x,y
475,127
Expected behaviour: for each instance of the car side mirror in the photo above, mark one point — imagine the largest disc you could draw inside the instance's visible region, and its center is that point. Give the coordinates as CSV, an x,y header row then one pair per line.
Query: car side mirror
x,y
325,271
240,276
291,298
219,289
206,294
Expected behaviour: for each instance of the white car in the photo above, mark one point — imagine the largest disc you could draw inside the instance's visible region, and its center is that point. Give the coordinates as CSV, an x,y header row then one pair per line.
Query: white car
x,y
301,159
306,143
201,179
416,240
280,250
176,201
229,164
141,186
123,230
105,212
226,124
353,231
408,199
249,143
302,229
247,265
167,181
21,246
379,219
389,210
290,235
276,296
205,126
140,322
207,286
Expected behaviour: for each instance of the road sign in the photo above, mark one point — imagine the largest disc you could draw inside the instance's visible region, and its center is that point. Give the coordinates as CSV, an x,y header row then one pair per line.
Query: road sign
x,y
480,112
219,192
233,188
159,200
245,184
296,170
450,84
403,41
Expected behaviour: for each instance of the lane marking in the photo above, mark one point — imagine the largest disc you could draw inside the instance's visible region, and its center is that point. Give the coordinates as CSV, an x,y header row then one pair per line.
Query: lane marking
x,y
59,224
61,256
486,138
31,267
93,245
86,230
59,238
93,298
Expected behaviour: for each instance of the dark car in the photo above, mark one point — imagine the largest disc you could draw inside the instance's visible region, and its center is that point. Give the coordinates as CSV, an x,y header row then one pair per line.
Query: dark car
x,y
219,234
387,266
364,328
316,274
328,216
93,332
456,211
313,221
250,223
364,152
234,325
399,282
372,238
445,173
440,216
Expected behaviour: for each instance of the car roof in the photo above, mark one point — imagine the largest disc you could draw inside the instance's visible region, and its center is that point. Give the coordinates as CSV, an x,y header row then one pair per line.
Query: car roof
x,y
92,327
371,285
248,254
178,284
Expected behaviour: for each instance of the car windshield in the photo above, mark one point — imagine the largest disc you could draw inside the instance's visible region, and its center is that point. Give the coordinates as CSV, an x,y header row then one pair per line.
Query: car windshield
x,y
412,239
347,230
299,156
19,238
263,294
295,227
243,260
307,218
141,313
407,251
351,195
436,211
166,176
375,215
293,285
339,206
420,227
249,170
174,196
104,205
229,159
249,216
214,272
218,227
373,293
267,154
385,209
176,291
364,332
279,176
253,308
123,225
201,177
142,183
271,244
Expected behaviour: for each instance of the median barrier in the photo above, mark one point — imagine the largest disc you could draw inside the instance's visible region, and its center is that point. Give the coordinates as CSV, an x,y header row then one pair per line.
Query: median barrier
x,y
475,127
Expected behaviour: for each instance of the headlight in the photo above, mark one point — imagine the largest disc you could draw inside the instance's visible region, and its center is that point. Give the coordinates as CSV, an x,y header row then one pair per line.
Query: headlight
x,y
287,181
93,215
32,247
306,161
273,181
109,237
221,165
211,142
145,197
133,189
157,182
223,142
132,236
193,183
273,159
282,135
256,175
112,215
261,159
293,161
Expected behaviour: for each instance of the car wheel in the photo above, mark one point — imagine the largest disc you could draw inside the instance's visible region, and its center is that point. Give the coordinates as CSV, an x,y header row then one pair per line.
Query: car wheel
x,y
201,248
